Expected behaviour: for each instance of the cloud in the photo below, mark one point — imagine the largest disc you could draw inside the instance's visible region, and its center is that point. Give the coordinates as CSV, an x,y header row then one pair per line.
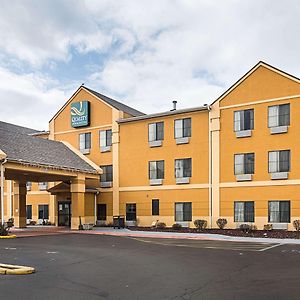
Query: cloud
x,y
146,53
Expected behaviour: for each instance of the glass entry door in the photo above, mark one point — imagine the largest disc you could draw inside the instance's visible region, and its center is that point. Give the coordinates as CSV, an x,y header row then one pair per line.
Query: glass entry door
x,y
64,213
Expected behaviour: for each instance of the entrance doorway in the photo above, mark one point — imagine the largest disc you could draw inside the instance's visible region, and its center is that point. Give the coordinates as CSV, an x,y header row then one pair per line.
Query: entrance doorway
x,y
64,213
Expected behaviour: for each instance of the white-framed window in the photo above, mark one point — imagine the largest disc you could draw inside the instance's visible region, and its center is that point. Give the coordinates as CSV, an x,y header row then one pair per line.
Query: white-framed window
x,y
279,211
156,169
43,186
84,141
182,128
28,185
244,120
105,138
183,211
183,168
244,163
156,131
279,161
107,175
244,211
279,115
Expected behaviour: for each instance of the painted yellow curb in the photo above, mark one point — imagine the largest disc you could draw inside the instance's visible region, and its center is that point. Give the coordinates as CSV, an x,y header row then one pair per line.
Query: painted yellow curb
x,y
15,270
8,236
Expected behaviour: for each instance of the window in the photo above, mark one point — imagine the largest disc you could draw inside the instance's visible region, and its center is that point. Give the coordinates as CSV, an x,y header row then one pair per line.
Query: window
x,y
28,185
279,211
244,120
244,163
105,138
29,212
156,169
44,212
279,115
107,175
43,186
279,161
156,131
183,211
101,212
155,207
183,168
85,141
183,128
130,212
244,211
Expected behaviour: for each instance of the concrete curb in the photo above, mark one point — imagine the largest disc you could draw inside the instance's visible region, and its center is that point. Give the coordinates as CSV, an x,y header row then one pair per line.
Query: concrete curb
x,y
15,270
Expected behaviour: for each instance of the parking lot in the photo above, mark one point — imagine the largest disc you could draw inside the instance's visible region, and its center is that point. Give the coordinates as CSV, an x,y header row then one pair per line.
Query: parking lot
x,y
81,266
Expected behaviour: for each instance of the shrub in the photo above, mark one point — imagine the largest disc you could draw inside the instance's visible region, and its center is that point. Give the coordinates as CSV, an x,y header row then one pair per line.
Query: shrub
x,y
161,225
221,223
245,228
296,224
253,227
200,224
4,230
268,227
176,226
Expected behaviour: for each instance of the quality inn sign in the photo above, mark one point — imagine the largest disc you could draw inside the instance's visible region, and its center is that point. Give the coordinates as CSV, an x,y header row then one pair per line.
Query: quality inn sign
x,y
80,114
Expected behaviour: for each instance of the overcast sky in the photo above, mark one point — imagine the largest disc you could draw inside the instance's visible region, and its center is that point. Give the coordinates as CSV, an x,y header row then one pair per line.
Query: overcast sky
x,y
143,53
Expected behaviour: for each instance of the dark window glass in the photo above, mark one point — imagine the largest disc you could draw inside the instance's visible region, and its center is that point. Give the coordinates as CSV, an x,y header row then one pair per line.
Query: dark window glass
x,y
156,131
244,163
244,211
279,211
29,212
155,207
183,128
183,168
43,212
130,212
107,175
101,212
85,141
279,161
156,169
284,115
183,211
244,120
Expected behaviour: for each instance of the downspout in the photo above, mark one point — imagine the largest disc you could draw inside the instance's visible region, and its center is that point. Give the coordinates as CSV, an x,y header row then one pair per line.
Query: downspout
x,y
3,161
95,207
211,170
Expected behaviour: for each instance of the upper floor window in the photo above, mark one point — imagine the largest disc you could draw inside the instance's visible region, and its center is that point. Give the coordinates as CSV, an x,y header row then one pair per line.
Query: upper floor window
x,y
107,175
244,163
243,120
243,211
156,131
279,211
43,186
279,115
156,169
183,128
279,161
183,168
105,140
85,142
28,185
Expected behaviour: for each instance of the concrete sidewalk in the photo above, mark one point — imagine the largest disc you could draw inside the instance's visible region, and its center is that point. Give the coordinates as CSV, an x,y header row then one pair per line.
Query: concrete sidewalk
x,y
178,235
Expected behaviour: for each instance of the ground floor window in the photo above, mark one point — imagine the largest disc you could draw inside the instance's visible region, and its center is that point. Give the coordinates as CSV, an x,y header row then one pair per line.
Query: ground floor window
x,y
29,212
244,211
44,212
155,207
101,212
130,212
183,211
279,211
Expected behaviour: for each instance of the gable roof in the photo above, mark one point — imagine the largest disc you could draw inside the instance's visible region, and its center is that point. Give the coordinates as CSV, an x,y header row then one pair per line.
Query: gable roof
x,y
27,149
17,128
116,104
245,76
111,102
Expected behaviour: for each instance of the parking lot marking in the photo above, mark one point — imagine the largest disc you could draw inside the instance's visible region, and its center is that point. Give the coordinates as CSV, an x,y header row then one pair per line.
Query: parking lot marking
x,y
221,245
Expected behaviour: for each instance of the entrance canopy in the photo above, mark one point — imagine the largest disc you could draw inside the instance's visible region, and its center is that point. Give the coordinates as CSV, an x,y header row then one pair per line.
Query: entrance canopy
x,y
25,157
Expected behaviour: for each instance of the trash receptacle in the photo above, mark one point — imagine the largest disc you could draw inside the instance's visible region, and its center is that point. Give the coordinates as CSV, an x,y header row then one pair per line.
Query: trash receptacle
x,y
119,222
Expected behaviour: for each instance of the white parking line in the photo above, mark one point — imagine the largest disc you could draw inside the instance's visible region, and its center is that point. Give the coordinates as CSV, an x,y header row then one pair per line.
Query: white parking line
x,y
270,247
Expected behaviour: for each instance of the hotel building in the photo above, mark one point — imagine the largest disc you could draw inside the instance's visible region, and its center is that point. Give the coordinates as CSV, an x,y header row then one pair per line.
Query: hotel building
x,y
233,159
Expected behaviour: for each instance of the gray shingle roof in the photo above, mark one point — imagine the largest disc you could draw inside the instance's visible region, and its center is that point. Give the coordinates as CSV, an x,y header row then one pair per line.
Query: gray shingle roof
x,y
116,104
24,148
17,128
